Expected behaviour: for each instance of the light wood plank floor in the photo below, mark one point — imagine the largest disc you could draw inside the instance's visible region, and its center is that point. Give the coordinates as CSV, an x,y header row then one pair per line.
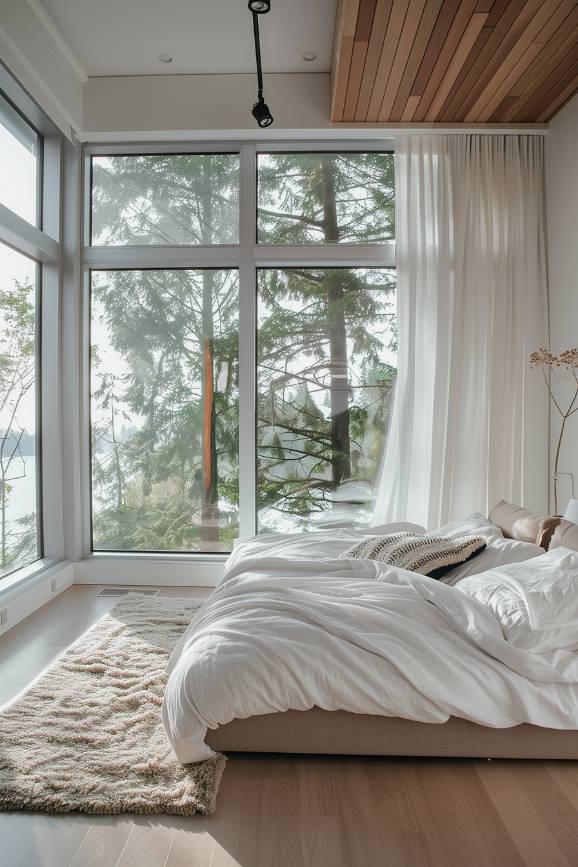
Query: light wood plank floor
x,y
287,811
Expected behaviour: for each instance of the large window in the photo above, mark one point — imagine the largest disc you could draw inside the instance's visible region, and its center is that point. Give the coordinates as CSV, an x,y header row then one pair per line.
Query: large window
x,y
165,409
21,257
326,370
243,342
19,464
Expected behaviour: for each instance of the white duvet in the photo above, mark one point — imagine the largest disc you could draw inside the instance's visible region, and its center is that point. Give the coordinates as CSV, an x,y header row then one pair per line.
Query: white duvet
x,y
282,633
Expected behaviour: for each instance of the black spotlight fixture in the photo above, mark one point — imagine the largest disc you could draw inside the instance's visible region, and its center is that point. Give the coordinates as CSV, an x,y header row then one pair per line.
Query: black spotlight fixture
x,y
260,110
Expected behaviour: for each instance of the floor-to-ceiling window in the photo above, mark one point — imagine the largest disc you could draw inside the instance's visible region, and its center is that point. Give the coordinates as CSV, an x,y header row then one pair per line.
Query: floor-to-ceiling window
x,y
242,313
29,274
20,517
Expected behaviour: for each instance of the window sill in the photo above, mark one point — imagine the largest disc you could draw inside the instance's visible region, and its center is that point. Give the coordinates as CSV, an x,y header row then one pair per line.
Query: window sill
x,y
140,569
27,577
154,557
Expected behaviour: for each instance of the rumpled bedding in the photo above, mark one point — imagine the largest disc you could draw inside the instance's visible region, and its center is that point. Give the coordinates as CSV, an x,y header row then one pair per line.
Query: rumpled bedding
x,y
289,632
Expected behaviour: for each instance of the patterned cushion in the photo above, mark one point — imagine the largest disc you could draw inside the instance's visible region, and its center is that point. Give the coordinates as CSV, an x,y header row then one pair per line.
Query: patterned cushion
x,y
427,555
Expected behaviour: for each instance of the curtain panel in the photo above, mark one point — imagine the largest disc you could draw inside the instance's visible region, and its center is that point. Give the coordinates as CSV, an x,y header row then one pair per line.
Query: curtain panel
x,y
470,421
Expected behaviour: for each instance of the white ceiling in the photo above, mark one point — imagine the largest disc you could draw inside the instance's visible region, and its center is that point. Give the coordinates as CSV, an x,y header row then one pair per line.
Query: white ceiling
x,y
125,37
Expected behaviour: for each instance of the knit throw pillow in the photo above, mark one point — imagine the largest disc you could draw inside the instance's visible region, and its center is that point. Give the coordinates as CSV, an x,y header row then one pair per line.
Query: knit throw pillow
x,y
427,555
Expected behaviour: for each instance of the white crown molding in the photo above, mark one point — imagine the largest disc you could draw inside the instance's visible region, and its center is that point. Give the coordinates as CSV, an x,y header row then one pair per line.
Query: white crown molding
x,y
44,20
28,76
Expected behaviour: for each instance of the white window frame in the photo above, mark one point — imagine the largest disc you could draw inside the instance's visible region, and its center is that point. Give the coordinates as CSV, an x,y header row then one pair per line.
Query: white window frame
x,y
246,257
42,245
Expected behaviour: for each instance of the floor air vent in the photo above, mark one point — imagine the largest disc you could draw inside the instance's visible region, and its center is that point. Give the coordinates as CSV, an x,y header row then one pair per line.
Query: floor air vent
x,y
123,591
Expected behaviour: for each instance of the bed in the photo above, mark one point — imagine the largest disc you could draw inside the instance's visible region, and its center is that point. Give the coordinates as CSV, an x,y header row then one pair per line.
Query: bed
x,y
210,707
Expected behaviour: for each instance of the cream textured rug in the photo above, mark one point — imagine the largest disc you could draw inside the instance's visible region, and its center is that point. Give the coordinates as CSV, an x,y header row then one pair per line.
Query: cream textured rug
x,y
88,734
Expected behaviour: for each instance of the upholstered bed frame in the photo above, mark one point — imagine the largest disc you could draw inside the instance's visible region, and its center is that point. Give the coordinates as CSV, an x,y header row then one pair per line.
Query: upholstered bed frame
x,y
342,733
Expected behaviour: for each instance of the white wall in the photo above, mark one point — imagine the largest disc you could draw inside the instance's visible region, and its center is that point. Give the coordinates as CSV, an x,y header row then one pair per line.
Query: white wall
x,y
36,55
562,199
185,106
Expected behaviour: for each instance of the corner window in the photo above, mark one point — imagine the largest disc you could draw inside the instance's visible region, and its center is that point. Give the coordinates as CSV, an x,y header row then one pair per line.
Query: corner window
x,y
21,540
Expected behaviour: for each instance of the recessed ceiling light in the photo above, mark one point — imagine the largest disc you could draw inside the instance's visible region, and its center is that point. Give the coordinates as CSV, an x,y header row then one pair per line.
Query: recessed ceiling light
x,y
166,58
309,56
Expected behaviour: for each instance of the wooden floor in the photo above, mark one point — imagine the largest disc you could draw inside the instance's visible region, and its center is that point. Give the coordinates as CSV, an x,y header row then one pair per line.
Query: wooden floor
x,y
323,812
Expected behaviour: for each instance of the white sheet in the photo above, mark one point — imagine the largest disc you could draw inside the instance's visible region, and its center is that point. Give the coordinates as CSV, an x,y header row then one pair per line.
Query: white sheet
x,y
283,635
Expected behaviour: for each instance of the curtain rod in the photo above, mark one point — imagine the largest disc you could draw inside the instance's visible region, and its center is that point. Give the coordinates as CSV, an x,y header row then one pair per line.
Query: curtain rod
x,y
336,133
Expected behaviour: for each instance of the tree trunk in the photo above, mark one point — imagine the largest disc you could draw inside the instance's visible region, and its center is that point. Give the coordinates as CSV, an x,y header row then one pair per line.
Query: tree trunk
x,y
209,505
339,375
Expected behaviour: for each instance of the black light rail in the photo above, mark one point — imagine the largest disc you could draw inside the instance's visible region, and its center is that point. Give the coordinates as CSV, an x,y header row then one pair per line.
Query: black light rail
x,y
260,110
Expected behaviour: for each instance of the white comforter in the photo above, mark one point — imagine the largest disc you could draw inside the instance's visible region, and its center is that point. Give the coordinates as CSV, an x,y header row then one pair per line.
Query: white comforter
x,y
282,634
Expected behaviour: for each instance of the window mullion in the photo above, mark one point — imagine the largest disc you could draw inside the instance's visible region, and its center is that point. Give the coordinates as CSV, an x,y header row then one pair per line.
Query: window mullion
x,y
326,255
161,257
247,324
27,239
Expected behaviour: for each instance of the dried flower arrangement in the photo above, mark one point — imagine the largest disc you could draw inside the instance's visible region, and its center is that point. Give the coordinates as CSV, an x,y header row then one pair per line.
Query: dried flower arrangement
x,y
546,361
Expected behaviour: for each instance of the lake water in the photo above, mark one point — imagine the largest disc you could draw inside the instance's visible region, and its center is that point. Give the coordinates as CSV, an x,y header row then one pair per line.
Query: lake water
x,y
22,497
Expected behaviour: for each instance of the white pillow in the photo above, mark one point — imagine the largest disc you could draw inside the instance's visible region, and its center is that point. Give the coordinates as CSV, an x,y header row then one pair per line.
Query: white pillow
x,y
396,527
536,602
500,552
474,525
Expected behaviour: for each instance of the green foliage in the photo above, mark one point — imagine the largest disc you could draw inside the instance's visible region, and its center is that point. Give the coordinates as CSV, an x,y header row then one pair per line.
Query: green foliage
x,y
166,199
294,190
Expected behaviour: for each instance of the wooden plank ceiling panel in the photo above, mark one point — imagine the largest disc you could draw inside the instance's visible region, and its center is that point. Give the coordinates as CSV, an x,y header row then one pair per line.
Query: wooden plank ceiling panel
x,y
454,61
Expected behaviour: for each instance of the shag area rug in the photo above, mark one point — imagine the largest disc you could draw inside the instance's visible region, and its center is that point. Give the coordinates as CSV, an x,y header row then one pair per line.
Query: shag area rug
x,y
88,735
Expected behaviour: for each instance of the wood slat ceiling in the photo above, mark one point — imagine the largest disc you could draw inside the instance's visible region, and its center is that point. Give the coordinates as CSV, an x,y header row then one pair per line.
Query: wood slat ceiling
x,y
454,61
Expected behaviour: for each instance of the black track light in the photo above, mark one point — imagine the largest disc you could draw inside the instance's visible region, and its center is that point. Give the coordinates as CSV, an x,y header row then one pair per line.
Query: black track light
x,y
262,114
260,6
260,110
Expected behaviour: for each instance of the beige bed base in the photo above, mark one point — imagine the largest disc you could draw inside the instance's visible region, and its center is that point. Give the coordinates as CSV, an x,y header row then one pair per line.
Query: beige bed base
x,y
342,733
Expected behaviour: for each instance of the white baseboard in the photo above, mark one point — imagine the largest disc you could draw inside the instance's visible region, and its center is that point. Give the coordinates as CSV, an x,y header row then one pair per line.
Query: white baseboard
x,y
161,573
18,603
21,597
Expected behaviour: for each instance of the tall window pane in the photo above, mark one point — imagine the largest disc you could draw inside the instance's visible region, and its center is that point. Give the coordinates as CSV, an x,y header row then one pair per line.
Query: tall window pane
x,y
327,198
327,347
165,199
19,164
164,409
19,467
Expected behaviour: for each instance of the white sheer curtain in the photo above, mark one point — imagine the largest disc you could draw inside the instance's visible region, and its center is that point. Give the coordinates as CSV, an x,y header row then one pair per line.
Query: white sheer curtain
x,y
469,422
